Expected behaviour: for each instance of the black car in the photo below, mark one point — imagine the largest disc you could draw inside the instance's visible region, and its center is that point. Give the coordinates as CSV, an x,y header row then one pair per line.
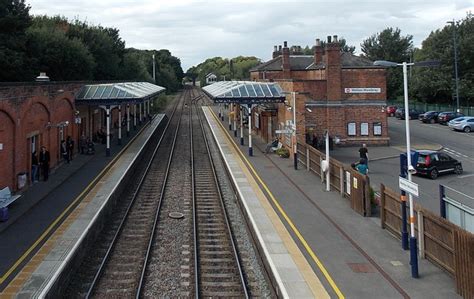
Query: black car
x,y
433,163
429,117
445,117
413,114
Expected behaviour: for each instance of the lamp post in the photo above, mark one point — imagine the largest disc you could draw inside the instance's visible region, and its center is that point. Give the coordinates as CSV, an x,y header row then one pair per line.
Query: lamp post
x,y
455,47
293,128
413,244
154,78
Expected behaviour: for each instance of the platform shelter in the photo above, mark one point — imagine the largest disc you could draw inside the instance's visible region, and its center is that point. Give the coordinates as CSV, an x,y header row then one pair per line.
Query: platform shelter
x,y
247,94
136,95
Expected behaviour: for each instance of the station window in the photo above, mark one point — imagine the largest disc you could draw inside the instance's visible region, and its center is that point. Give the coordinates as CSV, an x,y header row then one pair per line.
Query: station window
x,y
364,129
351,129
377,129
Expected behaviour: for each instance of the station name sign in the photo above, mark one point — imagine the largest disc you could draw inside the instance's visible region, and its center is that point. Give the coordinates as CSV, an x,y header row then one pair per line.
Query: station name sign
x,y
362,90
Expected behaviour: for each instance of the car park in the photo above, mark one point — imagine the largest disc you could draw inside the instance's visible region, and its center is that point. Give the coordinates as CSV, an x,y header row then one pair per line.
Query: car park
x,y
445,117
413,114
465,123
434,163
429,117
391,110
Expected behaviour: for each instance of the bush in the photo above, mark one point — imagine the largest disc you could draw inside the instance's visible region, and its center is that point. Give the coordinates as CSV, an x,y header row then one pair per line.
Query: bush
x,y
283,152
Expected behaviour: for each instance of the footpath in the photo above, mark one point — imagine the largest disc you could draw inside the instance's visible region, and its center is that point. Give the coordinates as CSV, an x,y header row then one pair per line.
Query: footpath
x,y
350,254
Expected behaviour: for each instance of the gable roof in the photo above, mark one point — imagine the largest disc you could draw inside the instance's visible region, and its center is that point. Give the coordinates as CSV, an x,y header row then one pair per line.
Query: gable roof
x,y
306,62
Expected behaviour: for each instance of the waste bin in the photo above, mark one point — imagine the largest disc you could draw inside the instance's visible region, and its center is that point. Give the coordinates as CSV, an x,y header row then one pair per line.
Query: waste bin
x,y
22,178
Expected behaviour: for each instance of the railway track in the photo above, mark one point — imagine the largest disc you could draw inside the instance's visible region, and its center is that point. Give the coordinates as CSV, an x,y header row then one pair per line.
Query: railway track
x,y
218,272
173,236
110,267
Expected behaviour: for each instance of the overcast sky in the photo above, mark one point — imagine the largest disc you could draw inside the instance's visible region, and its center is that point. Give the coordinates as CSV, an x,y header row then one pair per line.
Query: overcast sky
x,y
196,30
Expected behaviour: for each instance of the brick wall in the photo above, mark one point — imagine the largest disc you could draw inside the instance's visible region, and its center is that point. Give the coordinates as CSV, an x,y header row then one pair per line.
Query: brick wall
x,y
30,112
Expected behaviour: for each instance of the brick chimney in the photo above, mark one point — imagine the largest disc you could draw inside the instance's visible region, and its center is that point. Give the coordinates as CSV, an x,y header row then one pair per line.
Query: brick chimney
x,y
333,68
275,53
286,59
318,52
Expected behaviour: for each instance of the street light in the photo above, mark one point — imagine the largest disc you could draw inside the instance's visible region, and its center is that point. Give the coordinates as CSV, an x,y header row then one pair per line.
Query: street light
x,y
455,63
413,245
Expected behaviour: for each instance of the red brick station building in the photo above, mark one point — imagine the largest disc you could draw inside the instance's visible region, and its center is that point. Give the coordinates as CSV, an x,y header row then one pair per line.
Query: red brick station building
x,y
333,90
39,114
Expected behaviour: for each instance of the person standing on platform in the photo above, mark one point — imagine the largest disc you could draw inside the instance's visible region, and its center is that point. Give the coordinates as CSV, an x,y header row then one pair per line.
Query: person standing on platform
x,y
34,167
362,167
364,154
44,159
69,147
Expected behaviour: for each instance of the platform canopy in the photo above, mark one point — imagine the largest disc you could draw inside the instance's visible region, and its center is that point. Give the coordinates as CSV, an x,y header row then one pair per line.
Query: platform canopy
x,y
245,92
117,93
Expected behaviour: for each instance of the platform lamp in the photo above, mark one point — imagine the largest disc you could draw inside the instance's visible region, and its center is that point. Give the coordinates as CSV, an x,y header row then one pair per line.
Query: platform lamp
x,y
455,50
413,244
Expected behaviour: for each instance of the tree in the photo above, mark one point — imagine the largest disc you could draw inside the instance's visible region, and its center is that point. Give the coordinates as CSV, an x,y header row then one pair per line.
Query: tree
x,y
236,68
14,20
104,45
392,46
437,85
61,58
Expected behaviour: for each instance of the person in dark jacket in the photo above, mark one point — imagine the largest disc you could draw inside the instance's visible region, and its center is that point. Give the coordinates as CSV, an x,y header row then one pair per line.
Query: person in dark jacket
x,y
44,160
69,147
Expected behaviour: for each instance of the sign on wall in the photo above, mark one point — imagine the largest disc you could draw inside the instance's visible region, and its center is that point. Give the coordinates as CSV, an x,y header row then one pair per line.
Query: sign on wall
x,y
362,90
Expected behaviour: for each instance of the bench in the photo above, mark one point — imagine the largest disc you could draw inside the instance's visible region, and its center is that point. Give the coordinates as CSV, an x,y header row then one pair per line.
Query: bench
x,y
6,197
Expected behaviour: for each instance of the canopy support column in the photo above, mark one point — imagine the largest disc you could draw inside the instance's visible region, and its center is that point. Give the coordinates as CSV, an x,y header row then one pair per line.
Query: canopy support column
x,y
128,120
234,118
230,113
135,116
119,141
107,125
250,130
241,112
140,109
222,113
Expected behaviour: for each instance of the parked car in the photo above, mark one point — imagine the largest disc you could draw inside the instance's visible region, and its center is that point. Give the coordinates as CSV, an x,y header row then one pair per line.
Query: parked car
x,y
391,110
465,123
444,117
434,163
399,112
429,117
413,114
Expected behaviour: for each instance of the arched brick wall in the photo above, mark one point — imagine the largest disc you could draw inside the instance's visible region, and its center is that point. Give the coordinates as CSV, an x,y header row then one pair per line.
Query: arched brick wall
x,y
7,153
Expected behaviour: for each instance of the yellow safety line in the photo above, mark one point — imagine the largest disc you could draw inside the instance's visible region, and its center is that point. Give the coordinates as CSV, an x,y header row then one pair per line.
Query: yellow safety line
x,y
284,215
55,222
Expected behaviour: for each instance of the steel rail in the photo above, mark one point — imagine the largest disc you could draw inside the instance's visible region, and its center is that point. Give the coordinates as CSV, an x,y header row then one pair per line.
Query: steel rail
x,y
134,196
224,211
157,214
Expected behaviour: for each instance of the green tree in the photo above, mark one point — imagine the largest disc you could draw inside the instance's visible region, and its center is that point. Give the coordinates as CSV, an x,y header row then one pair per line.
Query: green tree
x,y
14,20
105,46
236,68
437,85
392,46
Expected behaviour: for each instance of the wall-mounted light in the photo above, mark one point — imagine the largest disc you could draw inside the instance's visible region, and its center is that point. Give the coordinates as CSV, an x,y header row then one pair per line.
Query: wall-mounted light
x,y
309,110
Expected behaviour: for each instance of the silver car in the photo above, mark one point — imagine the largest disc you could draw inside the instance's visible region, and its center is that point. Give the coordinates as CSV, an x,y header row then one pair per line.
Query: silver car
x,y
464,123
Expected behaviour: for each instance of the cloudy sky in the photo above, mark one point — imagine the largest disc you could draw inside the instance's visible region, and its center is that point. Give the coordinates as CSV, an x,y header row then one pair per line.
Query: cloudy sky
x,y
196,30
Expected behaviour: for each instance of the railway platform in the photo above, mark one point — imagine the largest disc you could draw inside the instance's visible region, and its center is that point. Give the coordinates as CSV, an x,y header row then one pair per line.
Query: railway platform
x,y
58,215
351,255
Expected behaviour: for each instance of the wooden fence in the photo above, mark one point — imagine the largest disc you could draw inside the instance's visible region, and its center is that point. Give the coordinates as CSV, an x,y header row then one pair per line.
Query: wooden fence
x,y
443,243
348,182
